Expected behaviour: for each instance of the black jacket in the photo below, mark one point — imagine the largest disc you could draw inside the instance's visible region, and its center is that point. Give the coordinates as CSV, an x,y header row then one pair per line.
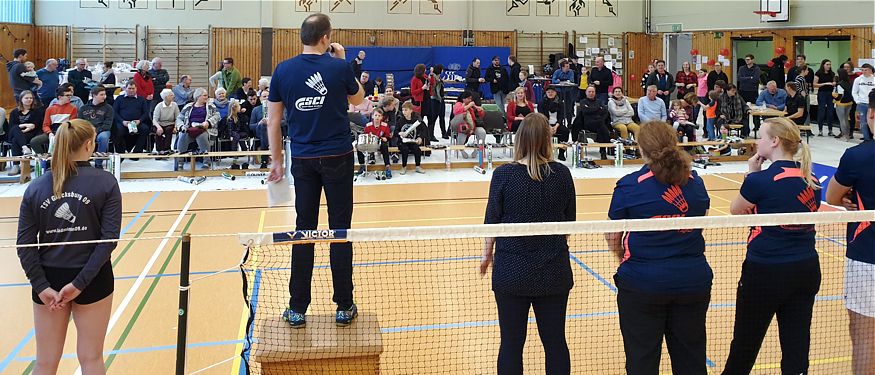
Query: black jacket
x,y
591,114
749,78
605,78
513,80
497,78
653,79
472,79
713,77
548,105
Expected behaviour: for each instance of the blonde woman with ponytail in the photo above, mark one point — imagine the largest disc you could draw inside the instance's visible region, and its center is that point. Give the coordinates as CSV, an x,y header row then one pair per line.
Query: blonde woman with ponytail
x,y
531,272
72,202
781,272
663,281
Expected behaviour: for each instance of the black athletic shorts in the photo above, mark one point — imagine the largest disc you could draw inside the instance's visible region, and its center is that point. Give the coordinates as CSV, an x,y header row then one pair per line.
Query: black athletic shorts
x,y
101,287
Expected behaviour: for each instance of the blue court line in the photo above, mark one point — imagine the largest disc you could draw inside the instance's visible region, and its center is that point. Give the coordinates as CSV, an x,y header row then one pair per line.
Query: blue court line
x,y
21,344
256,288
404,329
593,273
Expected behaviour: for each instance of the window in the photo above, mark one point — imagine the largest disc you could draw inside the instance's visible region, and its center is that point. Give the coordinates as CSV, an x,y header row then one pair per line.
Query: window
x,y
16,11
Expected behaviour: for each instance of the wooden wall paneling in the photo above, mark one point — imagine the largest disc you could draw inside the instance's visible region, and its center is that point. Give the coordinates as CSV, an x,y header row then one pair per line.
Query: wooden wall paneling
x,y
862,43
496,39
12,36
241,44
640,49
49,42
183,51
286,44
712,47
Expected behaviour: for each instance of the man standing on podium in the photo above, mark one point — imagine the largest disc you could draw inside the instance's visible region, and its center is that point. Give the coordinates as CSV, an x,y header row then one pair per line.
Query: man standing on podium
x,y
315,89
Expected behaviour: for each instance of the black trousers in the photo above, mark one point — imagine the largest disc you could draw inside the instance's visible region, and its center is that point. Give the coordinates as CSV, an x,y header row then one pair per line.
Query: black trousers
x,y
764,290
18,138
645,318
750,97
408,148
602,132
384,150
312,176
513,321
438,113
562,134
125,141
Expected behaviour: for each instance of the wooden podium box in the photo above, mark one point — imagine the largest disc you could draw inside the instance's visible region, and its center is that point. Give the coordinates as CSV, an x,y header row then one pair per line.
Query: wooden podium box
x,y
319,348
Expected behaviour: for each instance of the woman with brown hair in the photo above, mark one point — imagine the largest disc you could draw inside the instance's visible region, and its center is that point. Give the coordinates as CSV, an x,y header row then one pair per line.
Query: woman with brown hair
x,y
72,202
664,281
531,271
25,123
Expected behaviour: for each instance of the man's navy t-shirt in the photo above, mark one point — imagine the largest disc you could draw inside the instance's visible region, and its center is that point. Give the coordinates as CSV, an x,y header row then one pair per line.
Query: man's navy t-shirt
x,y
314,90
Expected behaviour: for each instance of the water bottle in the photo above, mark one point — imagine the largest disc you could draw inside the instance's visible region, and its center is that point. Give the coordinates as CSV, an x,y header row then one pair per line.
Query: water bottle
x,y
489,154
51,143
684,140
618,154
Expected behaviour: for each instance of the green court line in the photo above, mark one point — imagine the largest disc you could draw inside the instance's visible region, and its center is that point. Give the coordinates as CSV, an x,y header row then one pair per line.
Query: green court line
x,y
131,243
29,368
142,305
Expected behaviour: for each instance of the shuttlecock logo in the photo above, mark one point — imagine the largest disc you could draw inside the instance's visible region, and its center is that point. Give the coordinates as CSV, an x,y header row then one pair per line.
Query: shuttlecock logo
x,y
316,83
675,196
63,212
806,197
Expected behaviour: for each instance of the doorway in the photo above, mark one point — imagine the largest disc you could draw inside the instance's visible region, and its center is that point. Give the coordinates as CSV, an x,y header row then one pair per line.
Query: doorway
x,y
677,50
834,48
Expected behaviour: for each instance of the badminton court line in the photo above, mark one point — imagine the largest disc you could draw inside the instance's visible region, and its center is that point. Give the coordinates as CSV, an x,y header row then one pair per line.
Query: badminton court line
x,y
20,346
128,297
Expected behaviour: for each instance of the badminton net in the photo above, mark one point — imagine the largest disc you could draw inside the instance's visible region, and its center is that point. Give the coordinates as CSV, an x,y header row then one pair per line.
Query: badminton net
x,y
425,309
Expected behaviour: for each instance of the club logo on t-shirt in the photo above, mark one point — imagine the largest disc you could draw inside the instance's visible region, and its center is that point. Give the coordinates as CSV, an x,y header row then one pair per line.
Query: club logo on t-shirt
x,y
311,103
675,196
806,197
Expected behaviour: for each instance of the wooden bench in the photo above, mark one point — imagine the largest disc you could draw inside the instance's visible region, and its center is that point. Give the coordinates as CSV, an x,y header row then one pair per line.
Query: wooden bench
x,y
806,129
24,177
321,348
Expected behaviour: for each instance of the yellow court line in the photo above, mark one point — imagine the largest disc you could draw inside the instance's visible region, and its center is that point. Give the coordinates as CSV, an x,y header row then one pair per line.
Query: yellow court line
x,y
241,334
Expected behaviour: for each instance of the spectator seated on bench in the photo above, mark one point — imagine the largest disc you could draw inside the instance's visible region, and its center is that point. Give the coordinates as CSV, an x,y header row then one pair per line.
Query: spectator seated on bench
x,y
197,122
132,121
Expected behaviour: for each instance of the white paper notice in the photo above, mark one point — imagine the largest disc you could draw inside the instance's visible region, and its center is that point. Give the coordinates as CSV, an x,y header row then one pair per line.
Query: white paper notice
x,y
619,55
613,51
704,59
618,64
583,40
632,54
698,66
726,63
873,53
608,57
611,42
596,51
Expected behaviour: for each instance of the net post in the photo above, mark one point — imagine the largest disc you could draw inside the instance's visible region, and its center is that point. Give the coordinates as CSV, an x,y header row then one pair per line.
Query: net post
x,y
182,321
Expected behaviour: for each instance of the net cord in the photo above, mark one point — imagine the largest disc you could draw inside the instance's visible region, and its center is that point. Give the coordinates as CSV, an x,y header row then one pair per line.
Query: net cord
x,y
579,227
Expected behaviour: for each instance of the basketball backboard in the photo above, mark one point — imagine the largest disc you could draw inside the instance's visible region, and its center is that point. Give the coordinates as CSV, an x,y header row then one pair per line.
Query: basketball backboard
x,y
774,10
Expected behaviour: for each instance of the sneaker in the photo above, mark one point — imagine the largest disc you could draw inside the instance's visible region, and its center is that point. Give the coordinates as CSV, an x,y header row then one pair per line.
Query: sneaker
x,y
360,171
831,134
419,170
403,171
296,320
394,158
388,173
372,161
820,133
344,318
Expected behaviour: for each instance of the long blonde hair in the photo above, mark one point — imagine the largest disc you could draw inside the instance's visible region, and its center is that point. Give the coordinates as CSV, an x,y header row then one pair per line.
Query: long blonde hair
x,y
233,110
517,91
71,135
791,141
533,144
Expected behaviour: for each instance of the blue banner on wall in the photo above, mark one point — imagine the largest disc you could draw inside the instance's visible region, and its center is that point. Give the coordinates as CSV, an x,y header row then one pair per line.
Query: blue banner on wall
x,y
400,61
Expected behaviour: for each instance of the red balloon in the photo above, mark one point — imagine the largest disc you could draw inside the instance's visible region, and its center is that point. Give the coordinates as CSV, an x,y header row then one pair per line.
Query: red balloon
x,y
694,52
632,77
788,65
771,63
780,50
724,52
712,62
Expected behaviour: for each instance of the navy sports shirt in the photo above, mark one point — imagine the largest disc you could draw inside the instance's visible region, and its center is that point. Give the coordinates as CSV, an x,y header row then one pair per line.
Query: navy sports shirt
x,y
314,90
661,261
855,171
780,189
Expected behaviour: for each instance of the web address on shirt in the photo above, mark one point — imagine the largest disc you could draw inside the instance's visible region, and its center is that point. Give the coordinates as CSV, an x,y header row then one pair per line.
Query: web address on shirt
x,y
64,230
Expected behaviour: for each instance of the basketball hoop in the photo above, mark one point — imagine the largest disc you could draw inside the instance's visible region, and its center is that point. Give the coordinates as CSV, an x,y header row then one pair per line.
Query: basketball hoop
x,y
765,12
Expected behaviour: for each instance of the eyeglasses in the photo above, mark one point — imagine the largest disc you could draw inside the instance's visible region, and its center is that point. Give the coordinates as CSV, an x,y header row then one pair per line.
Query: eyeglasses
x,y
67,95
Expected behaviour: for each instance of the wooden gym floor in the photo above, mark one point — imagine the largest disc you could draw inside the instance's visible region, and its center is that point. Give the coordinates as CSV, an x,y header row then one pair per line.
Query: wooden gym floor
x,y
142,335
